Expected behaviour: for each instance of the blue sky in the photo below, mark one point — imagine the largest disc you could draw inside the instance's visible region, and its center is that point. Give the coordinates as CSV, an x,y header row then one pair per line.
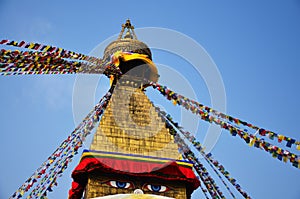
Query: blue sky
x,y
254,44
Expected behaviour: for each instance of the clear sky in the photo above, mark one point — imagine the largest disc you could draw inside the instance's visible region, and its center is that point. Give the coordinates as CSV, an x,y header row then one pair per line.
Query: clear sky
x,y
254,44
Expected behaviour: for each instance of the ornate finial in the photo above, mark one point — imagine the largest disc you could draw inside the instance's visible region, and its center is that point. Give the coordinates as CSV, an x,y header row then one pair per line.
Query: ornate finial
x,y
128,24
126,42
130,34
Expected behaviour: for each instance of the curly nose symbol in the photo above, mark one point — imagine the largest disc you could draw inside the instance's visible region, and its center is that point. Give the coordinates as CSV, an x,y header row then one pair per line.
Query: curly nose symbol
x,y
138,191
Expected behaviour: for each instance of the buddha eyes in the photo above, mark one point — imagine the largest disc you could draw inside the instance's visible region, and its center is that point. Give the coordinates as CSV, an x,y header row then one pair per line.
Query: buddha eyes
x,y
120,184
156,188
127,185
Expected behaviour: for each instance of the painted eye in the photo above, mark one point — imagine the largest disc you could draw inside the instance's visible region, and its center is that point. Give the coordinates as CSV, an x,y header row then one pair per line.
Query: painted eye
x,y
119,184
157,188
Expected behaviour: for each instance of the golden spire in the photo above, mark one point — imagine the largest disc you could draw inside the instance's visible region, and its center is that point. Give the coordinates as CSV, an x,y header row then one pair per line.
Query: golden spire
x,y
130,34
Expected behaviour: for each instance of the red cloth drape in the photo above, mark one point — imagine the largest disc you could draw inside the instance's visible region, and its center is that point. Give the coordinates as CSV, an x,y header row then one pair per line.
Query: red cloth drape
x,y
166,170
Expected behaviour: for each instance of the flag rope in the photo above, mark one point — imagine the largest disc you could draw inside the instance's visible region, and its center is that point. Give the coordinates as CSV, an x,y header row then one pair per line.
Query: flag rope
x,y
276,152
62,155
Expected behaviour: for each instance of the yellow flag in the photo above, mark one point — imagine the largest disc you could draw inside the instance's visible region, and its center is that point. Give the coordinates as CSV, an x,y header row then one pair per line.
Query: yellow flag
x,y
174,102
31,45
60,50
280,138
47,48
251,143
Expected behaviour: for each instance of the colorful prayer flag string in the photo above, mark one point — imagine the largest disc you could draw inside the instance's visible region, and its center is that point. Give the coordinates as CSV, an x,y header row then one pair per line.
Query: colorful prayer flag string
x,y
208,181
62,155
252,140
207,157
204,191
32,62
198,107
48,48
220,177
53,60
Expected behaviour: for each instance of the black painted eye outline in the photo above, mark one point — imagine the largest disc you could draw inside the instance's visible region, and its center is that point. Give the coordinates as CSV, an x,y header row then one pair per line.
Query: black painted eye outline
x,y
156,188
120,184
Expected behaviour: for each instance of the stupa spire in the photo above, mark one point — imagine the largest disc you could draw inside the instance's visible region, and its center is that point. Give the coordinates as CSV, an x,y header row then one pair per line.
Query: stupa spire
x,y
130,34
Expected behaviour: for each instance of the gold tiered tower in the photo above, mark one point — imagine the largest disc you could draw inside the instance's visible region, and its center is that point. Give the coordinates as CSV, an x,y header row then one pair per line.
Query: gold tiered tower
x,y
133,150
